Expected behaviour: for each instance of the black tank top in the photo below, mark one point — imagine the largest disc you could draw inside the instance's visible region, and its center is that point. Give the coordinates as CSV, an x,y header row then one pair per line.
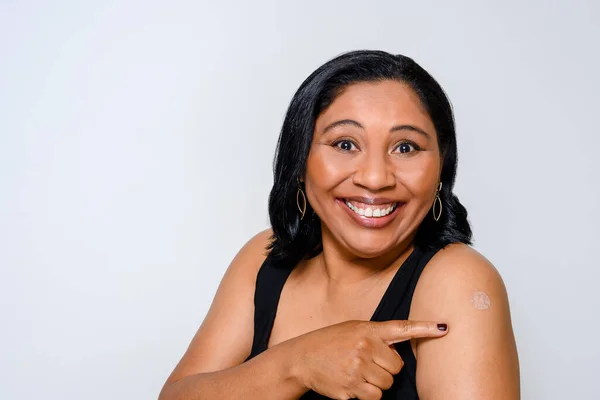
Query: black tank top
x,y
395,304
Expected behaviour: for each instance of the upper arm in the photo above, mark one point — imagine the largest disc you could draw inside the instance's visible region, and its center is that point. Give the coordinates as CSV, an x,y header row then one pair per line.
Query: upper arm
x,y
224,338
477,359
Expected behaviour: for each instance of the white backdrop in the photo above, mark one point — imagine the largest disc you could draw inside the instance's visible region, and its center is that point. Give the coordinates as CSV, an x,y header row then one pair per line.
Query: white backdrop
x,y
136,141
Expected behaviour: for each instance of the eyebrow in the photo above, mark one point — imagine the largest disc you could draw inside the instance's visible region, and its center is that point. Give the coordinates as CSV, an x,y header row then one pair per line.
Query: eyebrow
x,y
396,128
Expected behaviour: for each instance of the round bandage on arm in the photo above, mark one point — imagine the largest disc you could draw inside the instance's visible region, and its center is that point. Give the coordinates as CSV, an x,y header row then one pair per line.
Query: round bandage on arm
x,y
480,301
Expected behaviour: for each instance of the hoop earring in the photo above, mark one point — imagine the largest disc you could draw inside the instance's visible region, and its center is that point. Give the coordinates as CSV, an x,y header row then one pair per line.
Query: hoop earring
x,y
438,200
300,195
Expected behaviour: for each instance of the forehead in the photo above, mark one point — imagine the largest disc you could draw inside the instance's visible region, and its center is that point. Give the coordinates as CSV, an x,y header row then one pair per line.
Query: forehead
x,y
378,103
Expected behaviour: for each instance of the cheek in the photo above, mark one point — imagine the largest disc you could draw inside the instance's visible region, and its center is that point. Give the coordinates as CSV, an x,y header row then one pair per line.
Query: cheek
x,y
420,177
324,168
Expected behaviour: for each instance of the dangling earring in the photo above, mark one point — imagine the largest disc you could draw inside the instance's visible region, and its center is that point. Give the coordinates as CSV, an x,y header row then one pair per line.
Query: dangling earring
x,y
300,197
437,200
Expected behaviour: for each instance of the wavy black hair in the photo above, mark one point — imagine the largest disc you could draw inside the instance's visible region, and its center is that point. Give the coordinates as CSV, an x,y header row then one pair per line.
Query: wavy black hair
x,y
294,239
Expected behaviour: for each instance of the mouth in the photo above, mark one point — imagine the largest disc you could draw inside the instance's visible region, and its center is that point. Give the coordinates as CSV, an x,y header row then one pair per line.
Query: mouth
x,y
370,210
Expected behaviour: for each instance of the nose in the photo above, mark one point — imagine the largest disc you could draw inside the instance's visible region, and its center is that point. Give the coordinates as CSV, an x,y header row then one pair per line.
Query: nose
x,y
375,172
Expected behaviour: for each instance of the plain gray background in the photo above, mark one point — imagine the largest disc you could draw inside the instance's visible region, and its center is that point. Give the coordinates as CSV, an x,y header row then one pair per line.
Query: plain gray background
x,y
136,141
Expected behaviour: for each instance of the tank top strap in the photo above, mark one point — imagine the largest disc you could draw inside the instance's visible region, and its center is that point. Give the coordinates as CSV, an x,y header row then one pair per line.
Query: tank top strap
x,y
396,302
269,284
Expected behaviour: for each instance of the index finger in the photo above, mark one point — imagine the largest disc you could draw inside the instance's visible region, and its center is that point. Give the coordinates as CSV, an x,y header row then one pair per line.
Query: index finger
x,y
396,331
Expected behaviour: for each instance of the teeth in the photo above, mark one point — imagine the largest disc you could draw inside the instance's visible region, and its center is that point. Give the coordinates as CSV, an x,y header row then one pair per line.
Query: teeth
x,y
371,212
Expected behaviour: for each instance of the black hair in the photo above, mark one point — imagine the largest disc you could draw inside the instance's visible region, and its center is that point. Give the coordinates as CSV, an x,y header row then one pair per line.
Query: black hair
x,y
294,239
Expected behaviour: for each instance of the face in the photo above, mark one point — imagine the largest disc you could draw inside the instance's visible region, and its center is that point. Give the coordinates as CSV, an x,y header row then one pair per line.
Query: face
x,y
373,167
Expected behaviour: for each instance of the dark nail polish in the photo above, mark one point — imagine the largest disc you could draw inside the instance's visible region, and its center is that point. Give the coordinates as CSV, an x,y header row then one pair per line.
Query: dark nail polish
x,y
443,327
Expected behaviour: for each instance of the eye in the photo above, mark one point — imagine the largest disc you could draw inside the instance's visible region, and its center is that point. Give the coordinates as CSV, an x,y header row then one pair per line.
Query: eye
x,y
345,145
407,147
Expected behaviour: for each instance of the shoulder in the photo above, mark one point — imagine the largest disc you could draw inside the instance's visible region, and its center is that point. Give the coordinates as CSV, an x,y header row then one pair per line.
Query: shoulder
x,y
256,248
251,256
225,337
458,276
239,279
462,288
459,258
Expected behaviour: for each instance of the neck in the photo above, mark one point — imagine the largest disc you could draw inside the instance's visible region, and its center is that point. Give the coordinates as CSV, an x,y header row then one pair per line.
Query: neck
x,y
343,267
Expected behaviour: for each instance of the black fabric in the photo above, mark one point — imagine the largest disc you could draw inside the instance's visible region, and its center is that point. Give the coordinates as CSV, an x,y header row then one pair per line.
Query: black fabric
x,y
394,305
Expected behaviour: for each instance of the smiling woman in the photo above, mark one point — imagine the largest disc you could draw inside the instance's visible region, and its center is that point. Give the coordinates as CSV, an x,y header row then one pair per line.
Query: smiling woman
x,y
366,240
384,161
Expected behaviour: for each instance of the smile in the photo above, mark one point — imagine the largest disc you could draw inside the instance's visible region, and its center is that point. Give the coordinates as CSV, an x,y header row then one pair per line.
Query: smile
x,y
371,210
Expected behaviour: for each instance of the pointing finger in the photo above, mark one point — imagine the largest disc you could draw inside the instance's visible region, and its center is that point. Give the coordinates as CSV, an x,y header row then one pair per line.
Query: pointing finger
x,y
399,331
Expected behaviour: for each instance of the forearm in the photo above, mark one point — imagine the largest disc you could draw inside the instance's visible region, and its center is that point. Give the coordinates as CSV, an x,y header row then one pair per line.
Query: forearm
x,y
270,375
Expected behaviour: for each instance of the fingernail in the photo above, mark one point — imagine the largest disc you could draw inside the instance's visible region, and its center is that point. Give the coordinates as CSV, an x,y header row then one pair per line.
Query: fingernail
x,y
443,327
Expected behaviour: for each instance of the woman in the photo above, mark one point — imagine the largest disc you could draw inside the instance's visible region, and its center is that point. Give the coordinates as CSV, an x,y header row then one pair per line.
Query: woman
x,y
367,238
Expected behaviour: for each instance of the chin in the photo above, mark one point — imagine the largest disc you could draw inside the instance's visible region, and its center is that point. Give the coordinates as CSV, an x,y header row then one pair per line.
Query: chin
x,y
366,249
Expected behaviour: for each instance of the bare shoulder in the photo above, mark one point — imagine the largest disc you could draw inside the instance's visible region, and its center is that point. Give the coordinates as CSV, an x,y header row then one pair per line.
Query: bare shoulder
x,y
224,338
237,285
251,256
459,277
257,245
478,357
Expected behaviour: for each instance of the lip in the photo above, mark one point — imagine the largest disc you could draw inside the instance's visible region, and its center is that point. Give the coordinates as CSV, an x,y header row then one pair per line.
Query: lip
x,y
370,200
371,222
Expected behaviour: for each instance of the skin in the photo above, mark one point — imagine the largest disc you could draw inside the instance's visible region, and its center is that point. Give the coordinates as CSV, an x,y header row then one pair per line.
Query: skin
x,y
321,339
481,301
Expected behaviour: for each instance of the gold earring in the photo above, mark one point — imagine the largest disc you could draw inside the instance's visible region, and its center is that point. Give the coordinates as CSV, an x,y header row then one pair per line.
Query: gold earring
x,y
300,195
438,200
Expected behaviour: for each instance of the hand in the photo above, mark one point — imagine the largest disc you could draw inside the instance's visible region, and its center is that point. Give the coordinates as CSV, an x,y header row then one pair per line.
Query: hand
x,y
356,359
